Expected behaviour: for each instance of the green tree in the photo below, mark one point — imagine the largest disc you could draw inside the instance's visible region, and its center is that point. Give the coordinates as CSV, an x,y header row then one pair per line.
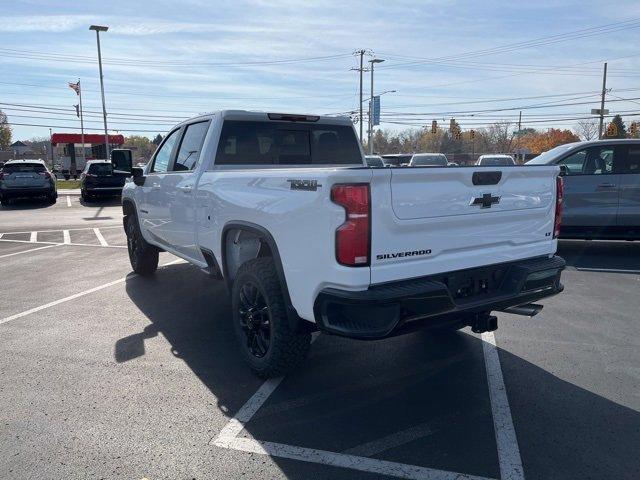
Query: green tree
x,y
616,128
142,147
5,131
157,140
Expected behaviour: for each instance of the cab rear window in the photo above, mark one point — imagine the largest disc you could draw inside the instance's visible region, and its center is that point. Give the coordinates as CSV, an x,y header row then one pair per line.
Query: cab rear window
x,y
24,167
101,169
275,143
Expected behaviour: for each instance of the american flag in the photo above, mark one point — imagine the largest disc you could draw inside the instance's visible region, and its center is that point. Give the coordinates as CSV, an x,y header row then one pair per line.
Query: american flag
x,y
75,87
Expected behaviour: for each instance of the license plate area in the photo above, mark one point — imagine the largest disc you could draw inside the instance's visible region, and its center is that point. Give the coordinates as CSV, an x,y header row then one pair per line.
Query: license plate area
x,y
470,285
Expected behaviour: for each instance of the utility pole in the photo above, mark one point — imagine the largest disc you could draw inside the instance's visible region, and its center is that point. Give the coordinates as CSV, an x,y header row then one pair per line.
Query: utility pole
x,y
99,29
84,159
520,122
51,147
373,61
361,72
604,91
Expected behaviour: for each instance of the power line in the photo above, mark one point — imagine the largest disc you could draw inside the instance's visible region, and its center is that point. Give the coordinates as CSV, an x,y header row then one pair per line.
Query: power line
x,y
46,56
546,40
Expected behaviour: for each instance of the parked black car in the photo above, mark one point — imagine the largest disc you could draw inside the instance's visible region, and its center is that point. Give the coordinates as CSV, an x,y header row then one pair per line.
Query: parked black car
x,y
98,179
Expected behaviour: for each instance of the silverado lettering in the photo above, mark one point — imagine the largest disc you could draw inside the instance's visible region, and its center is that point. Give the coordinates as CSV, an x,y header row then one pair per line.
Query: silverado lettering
x,y
385,256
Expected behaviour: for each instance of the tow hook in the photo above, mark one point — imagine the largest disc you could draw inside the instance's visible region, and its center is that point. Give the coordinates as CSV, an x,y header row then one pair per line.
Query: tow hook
x,y
484,323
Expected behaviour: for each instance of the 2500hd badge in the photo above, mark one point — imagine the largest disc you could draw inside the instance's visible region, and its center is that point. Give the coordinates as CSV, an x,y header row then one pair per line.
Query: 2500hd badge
x,y
385,256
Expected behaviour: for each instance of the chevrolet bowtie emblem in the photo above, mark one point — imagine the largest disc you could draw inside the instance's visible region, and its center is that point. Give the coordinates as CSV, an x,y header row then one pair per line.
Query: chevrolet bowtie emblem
x,y
485,201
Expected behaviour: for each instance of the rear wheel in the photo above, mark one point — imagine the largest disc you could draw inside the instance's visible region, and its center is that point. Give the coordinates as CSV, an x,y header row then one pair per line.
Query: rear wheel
x,y
143,256
51,198
268,344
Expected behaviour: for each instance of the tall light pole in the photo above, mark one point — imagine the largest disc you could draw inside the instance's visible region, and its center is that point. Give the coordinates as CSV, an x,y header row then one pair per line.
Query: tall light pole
x,y
99,29
373,61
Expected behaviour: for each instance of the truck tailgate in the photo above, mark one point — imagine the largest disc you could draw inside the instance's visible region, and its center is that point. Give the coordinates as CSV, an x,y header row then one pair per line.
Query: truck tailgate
x,y
434,220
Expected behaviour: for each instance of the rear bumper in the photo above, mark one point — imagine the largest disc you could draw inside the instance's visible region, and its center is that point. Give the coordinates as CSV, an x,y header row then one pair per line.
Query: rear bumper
x,y
117,190
26,192
437,300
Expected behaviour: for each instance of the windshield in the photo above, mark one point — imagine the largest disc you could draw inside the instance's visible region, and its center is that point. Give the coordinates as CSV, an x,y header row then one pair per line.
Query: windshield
x,y
24,167
374,161
396,159
496,161
550,155
429,160
101,169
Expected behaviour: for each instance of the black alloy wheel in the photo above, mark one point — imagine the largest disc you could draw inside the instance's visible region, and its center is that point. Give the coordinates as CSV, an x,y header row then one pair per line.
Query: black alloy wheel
x,y
255,319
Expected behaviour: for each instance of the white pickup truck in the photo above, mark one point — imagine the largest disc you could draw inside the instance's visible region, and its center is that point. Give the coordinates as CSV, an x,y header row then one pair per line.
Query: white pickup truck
x,y
307,237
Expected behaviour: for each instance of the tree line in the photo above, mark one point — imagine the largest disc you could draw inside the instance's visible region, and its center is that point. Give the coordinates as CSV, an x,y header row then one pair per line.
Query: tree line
x,y
500,137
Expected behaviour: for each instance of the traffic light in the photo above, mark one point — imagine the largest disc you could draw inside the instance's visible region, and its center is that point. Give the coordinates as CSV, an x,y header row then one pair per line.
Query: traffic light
x,y
77,110
434,126
458,134
612,130
633,129
472,134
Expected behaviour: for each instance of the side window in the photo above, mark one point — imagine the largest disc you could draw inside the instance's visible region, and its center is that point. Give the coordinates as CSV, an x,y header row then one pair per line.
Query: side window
x,y
574,162
633,160
591,161
163,155
189,151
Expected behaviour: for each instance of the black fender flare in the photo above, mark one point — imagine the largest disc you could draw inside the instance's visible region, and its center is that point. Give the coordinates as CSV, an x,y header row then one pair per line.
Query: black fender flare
x,y
292,315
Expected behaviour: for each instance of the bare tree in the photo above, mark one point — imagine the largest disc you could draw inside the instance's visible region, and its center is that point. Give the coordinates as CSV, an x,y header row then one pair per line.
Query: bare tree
x,y
586,129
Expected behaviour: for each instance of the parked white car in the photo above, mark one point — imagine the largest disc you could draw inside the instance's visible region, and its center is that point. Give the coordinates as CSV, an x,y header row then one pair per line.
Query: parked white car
x,y
284,209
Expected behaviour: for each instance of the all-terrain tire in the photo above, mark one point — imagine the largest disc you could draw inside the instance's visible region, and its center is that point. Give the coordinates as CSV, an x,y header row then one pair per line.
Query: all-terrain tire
x,y
287,348
143,256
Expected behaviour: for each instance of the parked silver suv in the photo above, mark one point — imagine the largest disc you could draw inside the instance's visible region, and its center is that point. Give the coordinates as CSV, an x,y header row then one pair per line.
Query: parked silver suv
x,y
601,188
26,178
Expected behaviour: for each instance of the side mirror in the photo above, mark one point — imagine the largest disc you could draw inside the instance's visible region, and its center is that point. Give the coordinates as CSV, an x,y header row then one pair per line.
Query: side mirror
x,y
563,170
137,174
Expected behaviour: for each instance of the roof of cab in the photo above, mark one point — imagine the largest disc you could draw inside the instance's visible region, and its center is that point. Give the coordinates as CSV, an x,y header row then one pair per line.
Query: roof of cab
x,y
25,160
264,117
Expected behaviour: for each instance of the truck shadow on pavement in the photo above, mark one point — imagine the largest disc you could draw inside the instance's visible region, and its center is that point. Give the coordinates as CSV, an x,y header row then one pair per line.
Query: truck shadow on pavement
x,y
421,399
610,255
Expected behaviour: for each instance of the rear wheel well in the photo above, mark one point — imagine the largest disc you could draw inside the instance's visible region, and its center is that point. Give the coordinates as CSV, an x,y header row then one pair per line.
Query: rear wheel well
x,y
241,245
243,241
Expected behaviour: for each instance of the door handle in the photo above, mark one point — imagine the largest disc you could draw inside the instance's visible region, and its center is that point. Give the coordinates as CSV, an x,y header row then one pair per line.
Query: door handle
x,y
607,185
186,188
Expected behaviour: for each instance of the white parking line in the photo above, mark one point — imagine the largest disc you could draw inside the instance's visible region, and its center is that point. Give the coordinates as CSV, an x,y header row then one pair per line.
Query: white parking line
x,y
75,295
34,237
101,239
606,270
68,201
102,227
27,251
506,441
58,243
66,238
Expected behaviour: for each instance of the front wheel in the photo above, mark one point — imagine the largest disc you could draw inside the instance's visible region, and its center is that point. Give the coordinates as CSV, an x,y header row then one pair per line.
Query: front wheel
x,y
267,342
143,256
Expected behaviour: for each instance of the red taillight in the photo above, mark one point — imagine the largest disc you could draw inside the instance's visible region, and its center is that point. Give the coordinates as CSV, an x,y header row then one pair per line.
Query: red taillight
x,y
45,174
352,237
559,199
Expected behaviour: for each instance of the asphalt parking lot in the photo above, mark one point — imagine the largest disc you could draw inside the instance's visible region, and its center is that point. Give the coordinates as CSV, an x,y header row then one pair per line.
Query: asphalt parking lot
x,y
105,374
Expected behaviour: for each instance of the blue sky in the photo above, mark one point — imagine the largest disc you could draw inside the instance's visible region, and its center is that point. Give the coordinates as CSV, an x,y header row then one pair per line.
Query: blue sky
x,y
167,60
